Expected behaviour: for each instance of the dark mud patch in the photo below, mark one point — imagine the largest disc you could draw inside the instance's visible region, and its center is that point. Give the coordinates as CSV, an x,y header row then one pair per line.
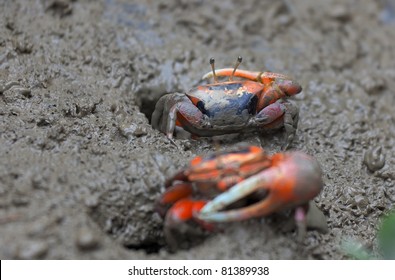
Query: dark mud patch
x,y
146,99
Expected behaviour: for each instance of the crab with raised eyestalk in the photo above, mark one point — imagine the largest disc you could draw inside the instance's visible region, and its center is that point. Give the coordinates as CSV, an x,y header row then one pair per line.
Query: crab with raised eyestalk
x,y
250,183
257,103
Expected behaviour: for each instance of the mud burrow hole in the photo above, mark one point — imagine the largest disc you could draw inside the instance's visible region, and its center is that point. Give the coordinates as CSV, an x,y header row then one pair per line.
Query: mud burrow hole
x,y
146,100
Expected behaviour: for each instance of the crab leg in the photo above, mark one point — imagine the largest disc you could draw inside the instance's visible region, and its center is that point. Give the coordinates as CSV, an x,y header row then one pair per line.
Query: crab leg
x,y
269,114
156,115
176,192
276,115
178,222
179,112
300,219
173,194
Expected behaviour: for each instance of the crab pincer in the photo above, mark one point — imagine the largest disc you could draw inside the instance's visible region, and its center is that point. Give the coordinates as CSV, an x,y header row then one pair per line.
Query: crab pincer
x,y
292,181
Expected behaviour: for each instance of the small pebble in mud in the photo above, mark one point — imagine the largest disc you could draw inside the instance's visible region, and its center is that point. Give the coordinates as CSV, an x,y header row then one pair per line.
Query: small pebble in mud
x,y
92,201
132,130
372,85
32,250
340,13
374,158
86,239
361,201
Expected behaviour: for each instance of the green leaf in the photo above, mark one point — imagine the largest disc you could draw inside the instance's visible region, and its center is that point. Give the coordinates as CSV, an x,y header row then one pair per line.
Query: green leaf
x,y
386,237
355,250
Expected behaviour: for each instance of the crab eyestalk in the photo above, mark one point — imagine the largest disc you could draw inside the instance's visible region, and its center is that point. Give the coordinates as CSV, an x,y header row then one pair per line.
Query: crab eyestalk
x,y
212,63
239,60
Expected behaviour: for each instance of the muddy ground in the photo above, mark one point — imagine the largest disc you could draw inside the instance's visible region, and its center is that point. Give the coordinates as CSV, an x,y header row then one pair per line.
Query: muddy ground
x,y
81,167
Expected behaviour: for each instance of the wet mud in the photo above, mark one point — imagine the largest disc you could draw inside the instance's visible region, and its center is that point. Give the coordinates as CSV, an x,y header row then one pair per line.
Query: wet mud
x,y
81,166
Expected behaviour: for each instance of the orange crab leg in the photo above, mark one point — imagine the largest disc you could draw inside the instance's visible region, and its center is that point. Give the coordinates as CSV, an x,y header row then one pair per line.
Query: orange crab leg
x,y
184,210
173,194
236,169
176,192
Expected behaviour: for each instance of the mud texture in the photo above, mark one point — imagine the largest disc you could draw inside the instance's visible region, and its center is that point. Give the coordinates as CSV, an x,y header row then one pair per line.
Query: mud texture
x,y
81,166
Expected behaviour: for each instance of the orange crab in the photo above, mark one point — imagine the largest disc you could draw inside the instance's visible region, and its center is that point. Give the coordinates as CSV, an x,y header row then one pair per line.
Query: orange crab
x,y
271,183
255,104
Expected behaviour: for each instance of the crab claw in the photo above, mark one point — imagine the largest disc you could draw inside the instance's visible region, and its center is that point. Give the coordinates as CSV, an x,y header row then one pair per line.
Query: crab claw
x,y
284,83
293,180
228,72
246,74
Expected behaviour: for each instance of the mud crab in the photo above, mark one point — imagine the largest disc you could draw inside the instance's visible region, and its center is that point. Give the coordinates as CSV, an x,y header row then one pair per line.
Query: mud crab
x,y
266,183
254,104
